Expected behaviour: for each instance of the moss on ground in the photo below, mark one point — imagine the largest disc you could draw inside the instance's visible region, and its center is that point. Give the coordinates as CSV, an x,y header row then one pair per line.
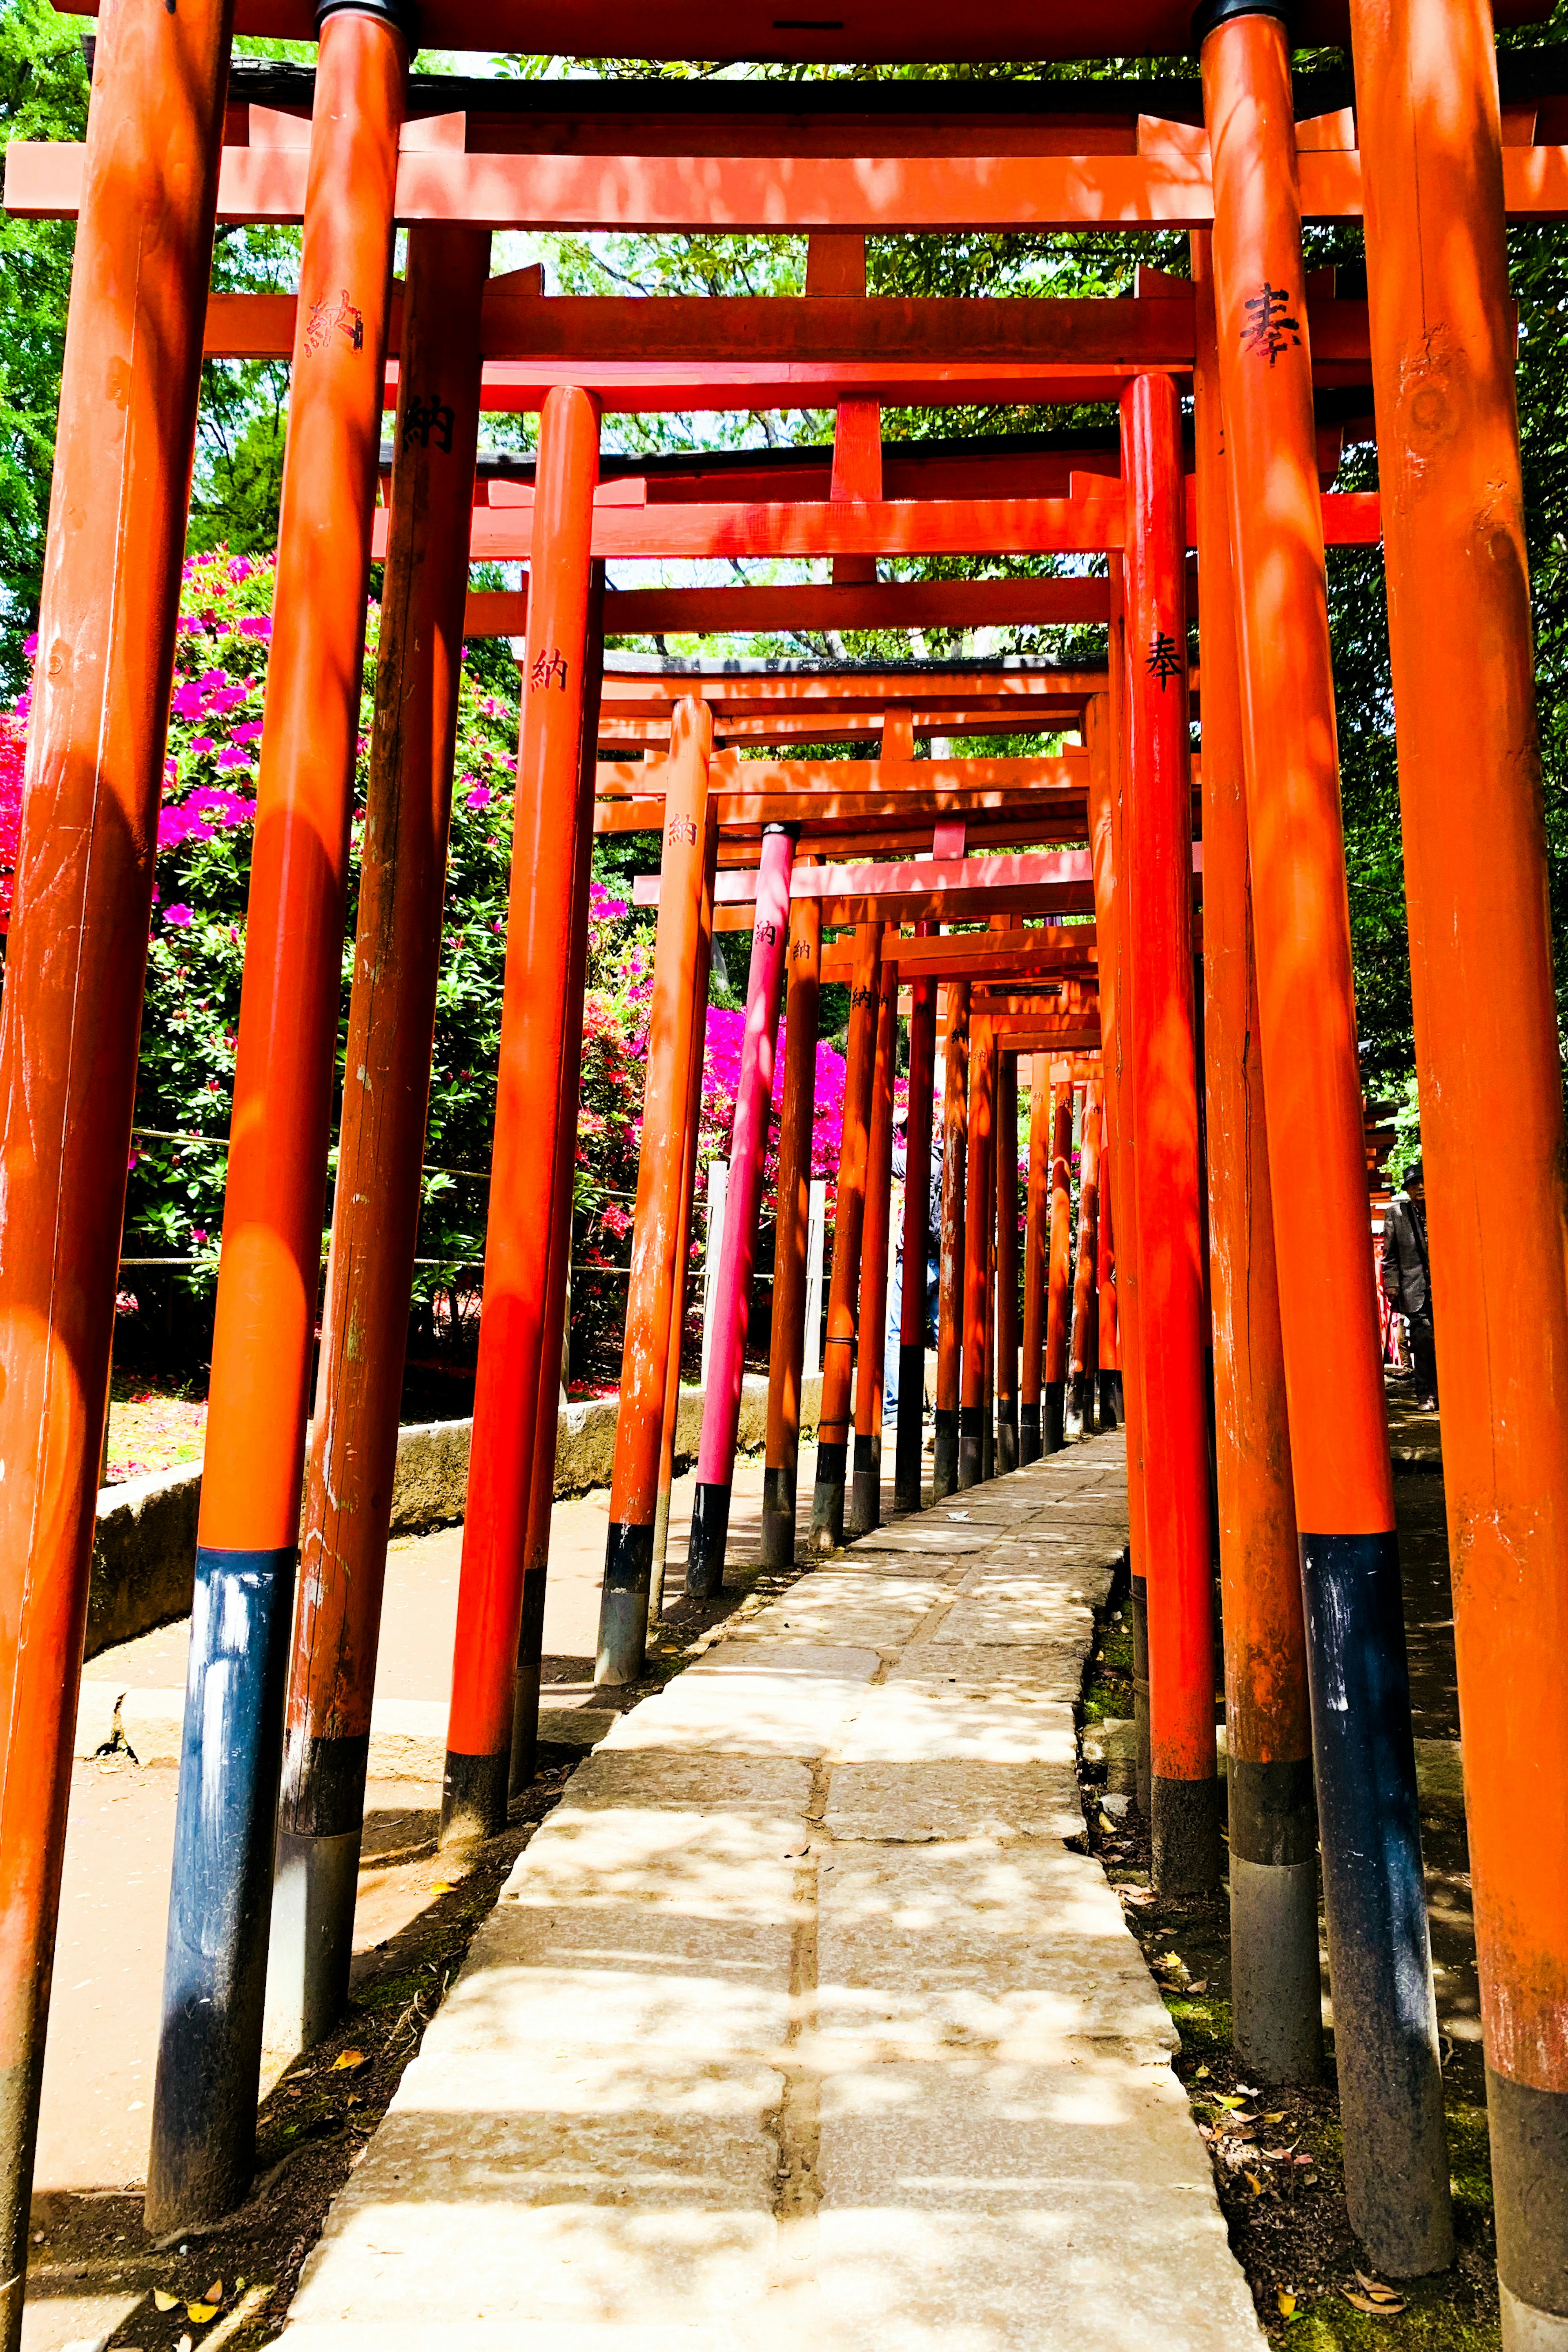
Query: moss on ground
x,y
1288,2219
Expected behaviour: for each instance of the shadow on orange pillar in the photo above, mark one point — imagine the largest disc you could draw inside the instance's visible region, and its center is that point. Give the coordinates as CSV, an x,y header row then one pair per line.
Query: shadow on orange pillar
x,y
381,1145
215,1970
1385,2026
1486,1052
1276,1993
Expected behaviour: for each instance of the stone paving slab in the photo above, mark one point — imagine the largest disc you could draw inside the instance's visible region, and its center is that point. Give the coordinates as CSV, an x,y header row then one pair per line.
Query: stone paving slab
x,y
882,1611
922,1950
929,1535
919,1802
737,1701
799,2021
1068,2209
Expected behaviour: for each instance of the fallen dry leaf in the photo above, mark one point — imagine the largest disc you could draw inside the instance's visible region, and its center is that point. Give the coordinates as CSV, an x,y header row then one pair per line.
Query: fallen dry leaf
x,y
1201,2074
1368,2303
214,2293
1198,1984
200,2313
349,2061
163,2300
1277,2117
1287,2303
1375,2288
1254,2183
442,1887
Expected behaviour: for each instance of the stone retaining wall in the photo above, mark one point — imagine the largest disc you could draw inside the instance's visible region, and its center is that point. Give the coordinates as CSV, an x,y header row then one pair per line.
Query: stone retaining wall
x,y
144,1549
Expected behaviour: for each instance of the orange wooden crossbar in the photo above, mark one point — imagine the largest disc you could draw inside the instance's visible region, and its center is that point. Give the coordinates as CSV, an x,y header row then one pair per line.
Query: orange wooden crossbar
x,y
1168,185
870,788
1036,948
887,604
1005,685
1091,523
1054,715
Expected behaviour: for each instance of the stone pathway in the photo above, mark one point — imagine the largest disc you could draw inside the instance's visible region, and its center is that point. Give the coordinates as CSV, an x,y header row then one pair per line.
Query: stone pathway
x,y
799,2021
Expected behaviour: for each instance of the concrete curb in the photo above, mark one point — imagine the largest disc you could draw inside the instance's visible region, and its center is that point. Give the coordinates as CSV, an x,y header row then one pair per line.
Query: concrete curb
x,y
144,1545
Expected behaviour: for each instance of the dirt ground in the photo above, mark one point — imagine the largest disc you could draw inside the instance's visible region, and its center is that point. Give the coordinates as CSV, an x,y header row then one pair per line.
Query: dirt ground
x,y
95,2276
1278,2155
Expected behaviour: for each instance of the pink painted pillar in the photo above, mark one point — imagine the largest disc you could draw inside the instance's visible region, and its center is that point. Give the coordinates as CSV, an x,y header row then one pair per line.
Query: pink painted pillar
x,y
742,1199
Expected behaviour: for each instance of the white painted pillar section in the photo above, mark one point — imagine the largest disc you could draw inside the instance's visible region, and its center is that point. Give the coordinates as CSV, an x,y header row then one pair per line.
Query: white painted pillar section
x,y
718,1187
816,1245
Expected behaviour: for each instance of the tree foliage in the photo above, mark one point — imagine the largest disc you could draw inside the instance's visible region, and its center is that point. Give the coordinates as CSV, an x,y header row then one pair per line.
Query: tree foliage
x,y
43,91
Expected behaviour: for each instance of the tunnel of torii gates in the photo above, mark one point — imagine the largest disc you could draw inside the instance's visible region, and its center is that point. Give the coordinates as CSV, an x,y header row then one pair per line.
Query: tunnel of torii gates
x,y
1259,1241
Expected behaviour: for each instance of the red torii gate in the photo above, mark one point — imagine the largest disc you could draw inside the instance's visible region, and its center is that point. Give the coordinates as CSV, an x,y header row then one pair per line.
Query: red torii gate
x,y
1431,146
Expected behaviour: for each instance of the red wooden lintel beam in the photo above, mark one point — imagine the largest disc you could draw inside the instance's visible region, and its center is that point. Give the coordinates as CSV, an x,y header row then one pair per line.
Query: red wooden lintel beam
x,y
1167,185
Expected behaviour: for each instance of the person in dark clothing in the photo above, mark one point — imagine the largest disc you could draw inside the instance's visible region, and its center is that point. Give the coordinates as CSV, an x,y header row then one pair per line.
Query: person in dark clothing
x,y
1407,1280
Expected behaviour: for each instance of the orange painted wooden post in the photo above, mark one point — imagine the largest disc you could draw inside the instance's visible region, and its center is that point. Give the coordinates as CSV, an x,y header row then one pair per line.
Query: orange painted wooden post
x,y
1183,1786
978,1221
1083,1363
786,1351
729,1299
844,1287
908,1465
1106,733
656,1272
1385,2028
679,1301
1487,1054
75,954
1007,1264
866,1482
552,1357
513,1337
1059,1284
951,1259
988,1408
1107,1331
215,1970
1275,1990
386,1086
1037,1255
